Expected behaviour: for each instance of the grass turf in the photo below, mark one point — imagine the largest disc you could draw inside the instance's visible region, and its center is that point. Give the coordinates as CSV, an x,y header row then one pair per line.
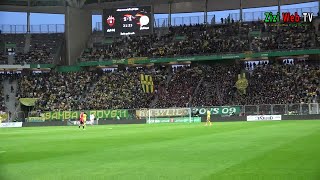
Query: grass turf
x,y
234,150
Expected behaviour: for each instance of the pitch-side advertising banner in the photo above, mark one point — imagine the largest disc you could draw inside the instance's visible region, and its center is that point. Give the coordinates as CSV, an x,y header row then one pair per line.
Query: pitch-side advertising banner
x,y
10,124
100,114
175,120
162,112
76,123
264,118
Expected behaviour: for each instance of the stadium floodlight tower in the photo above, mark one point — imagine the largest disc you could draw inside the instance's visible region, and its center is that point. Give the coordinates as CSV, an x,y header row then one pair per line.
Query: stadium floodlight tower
x,y
171,115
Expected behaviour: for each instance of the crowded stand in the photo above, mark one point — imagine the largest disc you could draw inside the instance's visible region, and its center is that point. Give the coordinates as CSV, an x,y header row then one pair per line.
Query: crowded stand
x,y
218,81
43,48
203,40
57,91
281,83
2,97
199,85
118,90
89,90
284,38
17,39
181,87
3,58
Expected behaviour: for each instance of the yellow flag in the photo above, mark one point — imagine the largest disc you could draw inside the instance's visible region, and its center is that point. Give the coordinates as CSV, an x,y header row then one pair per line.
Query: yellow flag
x,y
147,83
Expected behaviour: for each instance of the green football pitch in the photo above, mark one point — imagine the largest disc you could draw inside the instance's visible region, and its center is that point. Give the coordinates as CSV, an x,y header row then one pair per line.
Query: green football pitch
x,y
232,150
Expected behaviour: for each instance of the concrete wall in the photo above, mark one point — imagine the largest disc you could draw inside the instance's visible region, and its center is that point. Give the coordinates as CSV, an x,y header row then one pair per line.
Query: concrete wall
x,y
78,24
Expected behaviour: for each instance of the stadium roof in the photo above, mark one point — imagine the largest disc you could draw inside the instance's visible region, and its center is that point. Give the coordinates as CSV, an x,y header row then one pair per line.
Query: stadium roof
x,y
160,6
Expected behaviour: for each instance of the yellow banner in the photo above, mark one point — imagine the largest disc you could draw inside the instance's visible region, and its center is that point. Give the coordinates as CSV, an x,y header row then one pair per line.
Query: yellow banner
x,y
28,101
161,113
147,83
3,116
242,83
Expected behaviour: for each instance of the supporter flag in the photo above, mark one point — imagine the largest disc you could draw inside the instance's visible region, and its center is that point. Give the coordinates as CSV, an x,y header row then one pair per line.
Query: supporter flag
x,y
3,116
146,83
242,83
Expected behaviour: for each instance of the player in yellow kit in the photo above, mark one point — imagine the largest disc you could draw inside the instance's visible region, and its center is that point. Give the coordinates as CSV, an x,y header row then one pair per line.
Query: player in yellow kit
x,y
208,118
84,119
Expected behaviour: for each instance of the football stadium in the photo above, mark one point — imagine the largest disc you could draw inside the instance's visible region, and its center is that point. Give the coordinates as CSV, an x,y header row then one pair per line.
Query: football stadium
x,y
159,90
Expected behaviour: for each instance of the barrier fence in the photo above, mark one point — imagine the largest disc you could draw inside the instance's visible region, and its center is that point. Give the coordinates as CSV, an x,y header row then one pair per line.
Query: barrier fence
x,y
161,22
42,28
138,114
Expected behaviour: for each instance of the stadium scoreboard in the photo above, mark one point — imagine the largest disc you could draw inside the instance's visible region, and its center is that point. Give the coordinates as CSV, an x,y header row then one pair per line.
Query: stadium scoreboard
x,y
127,21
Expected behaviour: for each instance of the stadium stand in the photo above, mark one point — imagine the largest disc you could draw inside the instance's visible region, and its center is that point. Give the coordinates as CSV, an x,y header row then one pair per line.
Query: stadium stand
x,y
218,82
3,58
89,90
181,87
281,84
56,91
203,84
117,90
2,98
17,39
43,48
204,40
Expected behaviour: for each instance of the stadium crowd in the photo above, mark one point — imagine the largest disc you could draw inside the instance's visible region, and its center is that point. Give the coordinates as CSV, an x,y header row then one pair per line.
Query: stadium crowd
x,y
2,98
282,83
89,90
117,90
204,40
17,40
57,91
181,87
179,41
43,48
197,85
203,84
218,82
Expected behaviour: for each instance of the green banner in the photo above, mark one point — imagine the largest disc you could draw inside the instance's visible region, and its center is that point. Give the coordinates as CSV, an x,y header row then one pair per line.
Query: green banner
x,y
35,119
10,45
43,66
223,110
175,120
145,60
99,114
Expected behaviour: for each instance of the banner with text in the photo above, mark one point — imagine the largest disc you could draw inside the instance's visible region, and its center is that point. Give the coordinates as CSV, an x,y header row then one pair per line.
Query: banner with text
x,y
77,123
11,125
162,112
99,114
264,118
175,120
223,110
35,119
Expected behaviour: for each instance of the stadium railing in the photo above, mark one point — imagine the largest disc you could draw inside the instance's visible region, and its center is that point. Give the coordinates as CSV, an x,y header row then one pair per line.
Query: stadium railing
x,y
158,22
42,28
282,109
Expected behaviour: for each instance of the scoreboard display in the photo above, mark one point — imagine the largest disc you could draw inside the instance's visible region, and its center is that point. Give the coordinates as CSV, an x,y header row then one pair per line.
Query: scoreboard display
x,y
127,21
